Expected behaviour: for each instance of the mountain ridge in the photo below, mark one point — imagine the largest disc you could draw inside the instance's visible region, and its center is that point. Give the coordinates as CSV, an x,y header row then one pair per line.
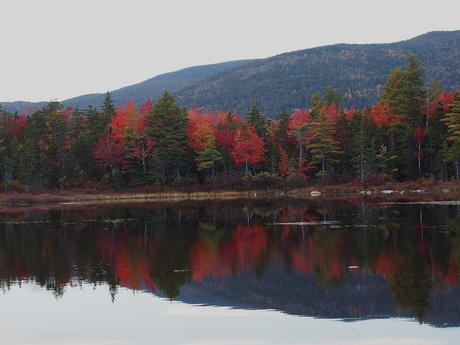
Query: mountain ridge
x,y
287,81
284,82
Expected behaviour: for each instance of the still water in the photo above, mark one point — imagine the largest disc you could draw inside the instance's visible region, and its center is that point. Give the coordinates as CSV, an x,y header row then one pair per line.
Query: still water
x,y
280,272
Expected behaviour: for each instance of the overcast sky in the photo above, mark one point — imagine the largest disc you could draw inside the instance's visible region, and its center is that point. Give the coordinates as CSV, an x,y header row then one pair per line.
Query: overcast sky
x,y
57,49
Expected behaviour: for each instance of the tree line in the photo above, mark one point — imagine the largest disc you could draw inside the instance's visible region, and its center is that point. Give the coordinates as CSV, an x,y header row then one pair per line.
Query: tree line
x,y
412,132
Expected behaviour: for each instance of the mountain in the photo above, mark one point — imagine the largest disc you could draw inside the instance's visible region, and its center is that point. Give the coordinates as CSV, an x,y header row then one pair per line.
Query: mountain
x,y
20,106
287,81
154,87
151,88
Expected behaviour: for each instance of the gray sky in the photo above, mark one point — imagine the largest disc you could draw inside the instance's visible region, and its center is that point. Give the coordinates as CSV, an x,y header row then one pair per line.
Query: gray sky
x,y
57,49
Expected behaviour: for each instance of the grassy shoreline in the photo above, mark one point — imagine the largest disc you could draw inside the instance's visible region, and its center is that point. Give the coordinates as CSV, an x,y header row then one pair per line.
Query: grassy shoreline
x,y
399,191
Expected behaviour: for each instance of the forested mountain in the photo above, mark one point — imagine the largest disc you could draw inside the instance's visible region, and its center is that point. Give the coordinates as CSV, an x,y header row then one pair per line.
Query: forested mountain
x,y
139,93
154,87
287,81
21,107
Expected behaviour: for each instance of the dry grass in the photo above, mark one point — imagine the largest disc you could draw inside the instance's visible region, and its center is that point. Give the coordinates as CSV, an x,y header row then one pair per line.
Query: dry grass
x,y
403,191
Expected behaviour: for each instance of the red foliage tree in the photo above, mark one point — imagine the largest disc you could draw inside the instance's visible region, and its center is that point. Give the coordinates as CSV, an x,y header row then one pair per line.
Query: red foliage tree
x,y
248,148
109,155
382,115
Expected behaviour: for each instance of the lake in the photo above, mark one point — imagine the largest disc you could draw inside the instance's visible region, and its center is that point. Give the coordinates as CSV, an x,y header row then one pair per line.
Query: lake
x,y
240,272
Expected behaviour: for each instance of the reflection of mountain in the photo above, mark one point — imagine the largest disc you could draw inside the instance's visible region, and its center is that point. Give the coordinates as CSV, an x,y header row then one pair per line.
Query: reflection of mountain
x,y
227,255
363,296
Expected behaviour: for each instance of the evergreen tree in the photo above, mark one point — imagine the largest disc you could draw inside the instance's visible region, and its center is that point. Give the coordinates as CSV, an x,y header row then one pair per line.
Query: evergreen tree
x,y
404,95
316,104
108,108
10,132
82,146
362,143
452,120
35,167
404,92
323,148
209,158
258,121
166,124
383,160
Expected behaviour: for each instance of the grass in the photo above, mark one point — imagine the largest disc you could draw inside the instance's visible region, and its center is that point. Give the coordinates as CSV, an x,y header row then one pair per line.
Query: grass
x,y
403,191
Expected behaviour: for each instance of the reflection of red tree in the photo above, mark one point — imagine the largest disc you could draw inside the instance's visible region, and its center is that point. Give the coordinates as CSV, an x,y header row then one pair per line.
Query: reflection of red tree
x,y
452,276
246,248
129,258
301,263
249,244
385,264
207,259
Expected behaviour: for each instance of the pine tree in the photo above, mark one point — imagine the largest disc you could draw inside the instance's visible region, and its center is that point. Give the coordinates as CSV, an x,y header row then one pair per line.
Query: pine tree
x,y
404,92
404,96
166,126
323,148
258,121
108,108
36,167
81,148
316,104
209,158
452,120
362,143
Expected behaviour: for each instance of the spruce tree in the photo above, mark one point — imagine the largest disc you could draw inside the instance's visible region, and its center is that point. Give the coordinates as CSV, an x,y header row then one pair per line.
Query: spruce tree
x,y
452,120
108,108
166,126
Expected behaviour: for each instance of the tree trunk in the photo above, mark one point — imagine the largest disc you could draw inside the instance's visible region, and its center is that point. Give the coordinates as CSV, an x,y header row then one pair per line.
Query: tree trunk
x,y
300,153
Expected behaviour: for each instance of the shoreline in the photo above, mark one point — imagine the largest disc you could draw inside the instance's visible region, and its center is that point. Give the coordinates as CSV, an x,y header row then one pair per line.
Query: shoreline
x,y
392,191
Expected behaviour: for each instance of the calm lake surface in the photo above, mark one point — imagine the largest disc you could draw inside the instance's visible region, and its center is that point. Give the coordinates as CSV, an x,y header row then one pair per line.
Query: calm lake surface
x,y
255,272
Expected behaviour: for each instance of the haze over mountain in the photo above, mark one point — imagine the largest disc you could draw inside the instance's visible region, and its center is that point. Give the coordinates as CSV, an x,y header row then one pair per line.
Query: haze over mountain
x,y
287,81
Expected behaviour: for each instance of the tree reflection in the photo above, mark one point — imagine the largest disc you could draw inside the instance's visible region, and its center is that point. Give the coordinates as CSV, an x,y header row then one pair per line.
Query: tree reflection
x,y
159,249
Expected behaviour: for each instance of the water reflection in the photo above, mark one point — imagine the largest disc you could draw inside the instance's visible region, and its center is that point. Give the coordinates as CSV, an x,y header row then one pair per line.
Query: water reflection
x,y
326,259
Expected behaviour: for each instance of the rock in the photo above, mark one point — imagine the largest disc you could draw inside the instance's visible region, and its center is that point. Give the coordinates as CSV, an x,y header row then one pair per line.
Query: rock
x,y
387,191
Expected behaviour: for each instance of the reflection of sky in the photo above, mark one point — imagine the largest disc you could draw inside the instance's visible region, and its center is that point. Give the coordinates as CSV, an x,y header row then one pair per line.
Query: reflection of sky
x,y
86,316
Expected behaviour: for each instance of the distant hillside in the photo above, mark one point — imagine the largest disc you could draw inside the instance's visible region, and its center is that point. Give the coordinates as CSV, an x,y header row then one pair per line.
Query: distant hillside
x,y
154,87
20,106
285,82
151,88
